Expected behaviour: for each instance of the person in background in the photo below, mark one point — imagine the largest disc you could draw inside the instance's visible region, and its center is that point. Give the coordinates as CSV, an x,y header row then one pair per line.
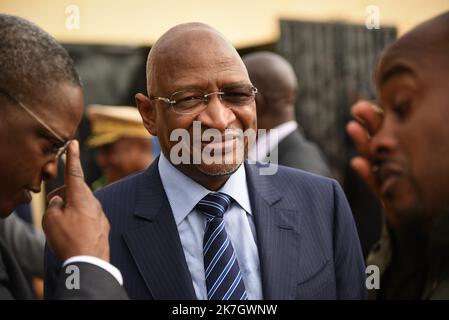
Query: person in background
x,y
276,81
123,146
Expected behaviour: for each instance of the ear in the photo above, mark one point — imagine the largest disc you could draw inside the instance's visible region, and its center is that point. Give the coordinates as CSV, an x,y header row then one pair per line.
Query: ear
x,y
147,111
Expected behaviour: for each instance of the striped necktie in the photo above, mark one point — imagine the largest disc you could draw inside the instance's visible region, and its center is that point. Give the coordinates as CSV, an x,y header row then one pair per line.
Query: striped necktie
x,y
223,278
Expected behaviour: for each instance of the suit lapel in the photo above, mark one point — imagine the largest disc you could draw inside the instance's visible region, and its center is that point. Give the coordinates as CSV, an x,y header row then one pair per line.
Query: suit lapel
x,y
155,244
277,235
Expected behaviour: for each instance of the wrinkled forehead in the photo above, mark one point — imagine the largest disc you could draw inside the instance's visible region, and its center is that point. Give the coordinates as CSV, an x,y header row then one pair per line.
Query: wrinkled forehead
x,y
196,54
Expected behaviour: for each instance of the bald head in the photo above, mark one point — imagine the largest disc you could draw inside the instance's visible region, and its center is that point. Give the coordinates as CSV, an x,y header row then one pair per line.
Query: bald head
x,y
276,81
189,44
273,76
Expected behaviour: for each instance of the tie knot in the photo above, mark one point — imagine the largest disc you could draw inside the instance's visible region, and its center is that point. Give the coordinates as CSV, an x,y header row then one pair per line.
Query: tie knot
x,y
214,205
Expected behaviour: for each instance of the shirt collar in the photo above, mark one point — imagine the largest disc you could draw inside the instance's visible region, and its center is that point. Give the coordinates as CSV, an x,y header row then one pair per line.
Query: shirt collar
x,y
183,193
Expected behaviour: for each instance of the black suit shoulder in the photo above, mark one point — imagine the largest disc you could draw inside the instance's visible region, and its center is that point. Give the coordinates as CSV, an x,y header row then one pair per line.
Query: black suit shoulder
x,y
297,152
12,281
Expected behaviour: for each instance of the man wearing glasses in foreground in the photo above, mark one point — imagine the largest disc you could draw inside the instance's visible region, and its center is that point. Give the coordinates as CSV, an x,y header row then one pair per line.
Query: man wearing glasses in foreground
x,y
41,105
187,229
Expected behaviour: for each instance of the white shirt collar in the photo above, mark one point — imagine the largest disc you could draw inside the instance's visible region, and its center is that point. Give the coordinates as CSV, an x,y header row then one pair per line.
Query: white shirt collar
x,y
183,193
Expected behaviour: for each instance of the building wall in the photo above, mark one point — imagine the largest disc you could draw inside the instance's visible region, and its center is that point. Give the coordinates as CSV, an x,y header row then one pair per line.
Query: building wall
x,y
247,23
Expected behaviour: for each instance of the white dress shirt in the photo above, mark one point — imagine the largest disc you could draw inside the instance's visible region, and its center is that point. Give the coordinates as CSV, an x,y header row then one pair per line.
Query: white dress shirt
x,y
183,195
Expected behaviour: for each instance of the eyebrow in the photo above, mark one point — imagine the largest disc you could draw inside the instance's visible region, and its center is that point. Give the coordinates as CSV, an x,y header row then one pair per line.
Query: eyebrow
x,y
48,136
395,71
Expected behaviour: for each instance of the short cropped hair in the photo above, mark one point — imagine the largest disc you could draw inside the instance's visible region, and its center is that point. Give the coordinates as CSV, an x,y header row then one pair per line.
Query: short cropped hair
x,y
31,61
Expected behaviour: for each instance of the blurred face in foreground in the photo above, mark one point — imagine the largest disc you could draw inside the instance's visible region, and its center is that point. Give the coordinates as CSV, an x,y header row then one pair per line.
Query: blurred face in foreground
x,y
411,148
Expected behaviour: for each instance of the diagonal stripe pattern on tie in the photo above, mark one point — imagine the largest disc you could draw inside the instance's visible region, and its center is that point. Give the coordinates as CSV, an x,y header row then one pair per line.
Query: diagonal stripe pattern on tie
x,y
223,278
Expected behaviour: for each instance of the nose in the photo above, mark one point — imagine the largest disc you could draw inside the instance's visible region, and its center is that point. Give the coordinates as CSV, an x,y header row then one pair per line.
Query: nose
x,y
216,115
50,170
384,141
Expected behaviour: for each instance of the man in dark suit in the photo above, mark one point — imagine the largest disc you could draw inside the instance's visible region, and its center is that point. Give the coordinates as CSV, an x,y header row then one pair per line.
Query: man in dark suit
x,y
189,229
41,104
276,81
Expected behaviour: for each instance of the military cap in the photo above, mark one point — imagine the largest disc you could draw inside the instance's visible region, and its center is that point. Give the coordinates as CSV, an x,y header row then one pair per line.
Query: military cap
x,y
111,123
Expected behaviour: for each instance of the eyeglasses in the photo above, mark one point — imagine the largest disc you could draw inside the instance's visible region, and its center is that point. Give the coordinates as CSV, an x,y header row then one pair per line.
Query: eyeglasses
x,y
193,101
58,151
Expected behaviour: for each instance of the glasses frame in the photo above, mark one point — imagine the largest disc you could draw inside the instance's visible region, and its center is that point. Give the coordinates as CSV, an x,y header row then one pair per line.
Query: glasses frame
x,y
65,143
205,99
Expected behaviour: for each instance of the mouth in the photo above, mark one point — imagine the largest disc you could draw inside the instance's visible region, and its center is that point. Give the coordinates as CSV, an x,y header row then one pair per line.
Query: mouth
x,y
227,149
33,189
387,177
225,143
105,170
28,190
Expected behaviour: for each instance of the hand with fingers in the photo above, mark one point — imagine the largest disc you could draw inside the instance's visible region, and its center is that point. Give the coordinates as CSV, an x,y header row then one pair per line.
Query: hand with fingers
x,y
369,118
75,224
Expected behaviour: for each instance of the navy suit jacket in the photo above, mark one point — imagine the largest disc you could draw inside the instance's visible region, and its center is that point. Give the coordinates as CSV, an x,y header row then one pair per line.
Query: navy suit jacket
x,y
307,241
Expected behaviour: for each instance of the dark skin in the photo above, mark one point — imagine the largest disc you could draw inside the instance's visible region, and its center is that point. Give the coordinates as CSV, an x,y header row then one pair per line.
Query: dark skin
x,y
76,207
404,156
28,158
277,84
124,157
178,62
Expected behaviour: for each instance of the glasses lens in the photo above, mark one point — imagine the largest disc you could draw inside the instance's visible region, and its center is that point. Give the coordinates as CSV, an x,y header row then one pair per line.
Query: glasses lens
x,y
189,101
238,96
194,101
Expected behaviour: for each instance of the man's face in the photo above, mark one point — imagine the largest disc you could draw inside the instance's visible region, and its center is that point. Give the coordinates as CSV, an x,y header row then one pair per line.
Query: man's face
x,y
28,148
122,158
210,66
412,145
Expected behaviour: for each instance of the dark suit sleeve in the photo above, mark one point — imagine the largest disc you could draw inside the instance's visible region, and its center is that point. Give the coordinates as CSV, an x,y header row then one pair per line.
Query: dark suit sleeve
x,y
52,267
349,263
12,281
85,281
26,244
94,282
